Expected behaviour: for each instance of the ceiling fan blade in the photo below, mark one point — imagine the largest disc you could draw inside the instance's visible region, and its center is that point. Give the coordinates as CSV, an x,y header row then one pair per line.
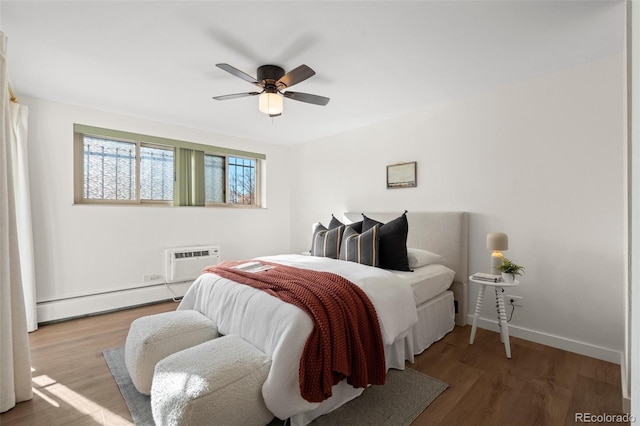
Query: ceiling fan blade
x,y
275,115
295,76
235,96
306,97
235,71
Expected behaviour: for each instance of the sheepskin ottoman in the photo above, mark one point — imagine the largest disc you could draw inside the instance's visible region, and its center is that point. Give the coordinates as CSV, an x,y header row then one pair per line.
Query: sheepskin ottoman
x,y
154,337
215,383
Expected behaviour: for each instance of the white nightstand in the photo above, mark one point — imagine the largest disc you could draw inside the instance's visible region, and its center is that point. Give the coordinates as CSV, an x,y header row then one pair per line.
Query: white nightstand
x,y
502,316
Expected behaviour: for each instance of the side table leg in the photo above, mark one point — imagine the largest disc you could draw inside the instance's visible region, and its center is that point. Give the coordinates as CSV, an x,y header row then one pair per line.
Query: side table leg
x,y
498,290
504,330
477,314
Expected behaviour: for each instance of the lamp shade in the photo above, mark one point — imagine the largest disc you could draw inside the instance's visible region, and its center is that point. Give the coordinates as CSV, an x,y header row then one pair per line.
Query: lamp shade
x,y
270,103
497,241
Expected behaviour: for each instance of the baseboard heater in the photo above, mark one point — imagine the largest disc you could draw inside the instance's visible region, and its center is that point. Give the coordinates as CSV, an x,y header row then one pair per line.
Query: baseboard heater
x,y
186,263
92,304
182,266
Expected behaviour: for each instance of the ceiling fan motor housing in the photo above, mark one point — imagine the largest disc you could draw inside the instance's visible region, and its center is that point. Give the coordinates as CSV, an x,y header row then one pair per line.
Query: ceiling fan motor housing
x,y
269,74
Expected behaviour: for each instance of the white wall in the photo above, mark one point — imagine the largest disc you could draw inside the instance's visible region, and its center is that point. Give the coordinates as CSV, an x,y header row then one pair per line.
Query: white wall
x,y
85,249
543,161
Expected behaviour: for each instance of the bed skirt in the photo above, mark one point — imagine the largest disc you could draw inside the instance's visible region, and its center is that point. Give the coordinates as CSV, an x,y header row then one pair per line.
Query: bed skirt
x,y
436,318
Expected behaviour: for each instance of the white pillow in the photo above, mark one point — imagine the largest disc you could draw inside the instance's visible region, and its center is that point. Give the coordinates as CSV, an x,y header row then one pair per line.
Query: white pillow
x,y
419,257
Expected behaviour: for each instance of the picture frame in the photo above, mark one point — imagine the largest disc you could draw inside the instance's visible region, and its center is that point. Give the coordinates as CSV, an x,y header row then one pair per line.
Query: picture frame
x,y
401,175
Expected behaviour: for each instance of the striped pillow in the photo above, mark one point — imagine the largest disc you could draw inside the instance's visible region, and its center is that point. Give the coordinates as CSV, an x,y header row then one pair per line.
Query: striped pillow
x,y
361,248
326,242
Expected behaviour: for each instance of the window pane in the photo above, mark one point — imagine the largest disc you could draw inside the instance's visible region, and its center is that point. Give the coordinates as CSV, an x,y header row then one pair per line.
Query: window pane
x,y
242,181
109,169
214,179
156,174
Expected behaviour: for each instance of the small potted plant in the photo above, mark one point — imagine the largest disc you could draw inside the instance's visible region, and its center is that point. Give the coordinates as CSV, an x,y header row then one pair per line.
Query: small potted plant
x,y
509,270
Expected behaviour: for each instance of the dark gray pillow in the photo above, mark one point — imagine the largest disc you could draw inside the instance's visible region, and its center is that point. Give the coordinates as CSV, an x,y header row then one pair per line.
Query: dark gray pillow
x,y
335,223
361,248
326,242
393,241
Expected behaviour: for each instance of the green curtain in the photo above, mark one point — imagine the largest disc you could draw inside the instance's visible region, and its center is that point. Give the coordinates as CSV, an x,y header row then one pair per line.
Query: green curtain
x,y
189,183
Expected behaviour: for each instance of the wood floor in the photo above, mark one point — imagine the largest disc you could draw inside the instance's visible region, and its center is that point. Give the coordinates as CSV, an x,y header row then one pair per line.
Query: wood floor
x,y
538,386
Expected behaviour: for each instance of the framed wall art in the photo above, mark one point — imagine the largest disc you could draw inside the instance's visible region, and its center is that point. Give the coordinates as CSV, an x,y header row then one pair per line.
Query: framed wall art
x,y
401,175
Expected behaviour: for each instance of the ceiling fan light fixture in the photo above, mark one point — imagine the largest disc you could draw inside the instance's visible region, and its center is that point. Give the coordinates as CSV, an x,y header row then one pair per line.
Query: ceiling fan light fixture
x,y
270,103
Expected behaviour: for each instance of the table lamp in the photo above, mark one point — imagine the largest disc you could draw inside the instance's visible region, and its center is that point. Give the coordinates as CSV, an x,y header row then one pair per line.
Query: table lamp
x,y
497,241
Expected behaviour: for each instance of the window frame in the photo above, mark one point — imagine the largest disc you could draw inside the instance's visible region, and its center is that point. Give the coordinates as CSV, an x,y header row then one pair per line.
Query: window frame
x,y
139,140
79,172
139,170
227,188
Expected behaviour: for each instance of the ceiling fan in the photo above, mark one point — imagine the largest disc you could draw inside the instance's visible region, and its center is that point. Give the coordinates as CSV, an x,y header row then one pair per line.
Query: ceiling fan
x,y
273,81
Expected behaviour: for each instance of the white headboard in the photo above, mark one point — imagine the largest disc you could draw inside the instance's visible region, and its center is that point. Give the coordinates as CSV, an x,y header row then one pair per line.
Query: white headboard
x,y
445,233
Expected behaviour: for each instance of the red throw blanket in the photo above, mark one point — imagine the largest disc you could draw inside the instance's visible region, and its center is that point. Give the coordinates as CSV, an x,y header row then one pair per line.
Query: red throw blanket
x,y
345,342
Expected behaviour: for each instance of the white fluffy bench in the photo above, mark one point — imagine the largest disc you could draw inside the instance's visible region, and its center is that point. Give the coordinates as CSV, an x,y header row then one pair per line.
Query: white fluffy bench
x,y
216,383
154,337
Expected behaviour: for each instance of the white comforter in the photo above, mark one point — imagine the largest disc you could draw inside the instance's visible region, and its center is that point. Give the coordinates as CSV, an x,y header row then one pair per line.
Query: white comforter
x,y
280,329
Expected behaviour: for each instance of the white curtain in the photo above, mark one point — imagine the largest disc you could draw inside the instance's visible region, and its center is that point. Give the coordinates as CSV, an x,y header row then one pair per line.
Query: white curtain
x,y
19,115
15,360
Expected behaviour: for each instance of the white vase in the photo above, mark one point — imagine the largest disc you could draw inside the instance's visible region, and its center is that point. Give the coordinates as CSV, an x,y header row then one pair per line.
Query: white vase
x,y
507,278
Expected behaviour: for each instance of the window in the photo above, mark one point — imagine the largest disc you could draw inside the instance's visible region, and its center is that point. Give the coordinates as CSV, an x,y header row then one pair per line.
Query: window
x,y
126,168
156,173
242,181
214,178
233,176
109,169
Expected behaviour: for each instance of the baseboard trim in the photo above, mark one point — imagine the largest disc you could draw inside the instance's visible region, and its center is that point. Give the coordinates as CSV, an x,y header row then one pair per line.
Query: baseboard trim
x,y
88,305
626,397
558,342
74,307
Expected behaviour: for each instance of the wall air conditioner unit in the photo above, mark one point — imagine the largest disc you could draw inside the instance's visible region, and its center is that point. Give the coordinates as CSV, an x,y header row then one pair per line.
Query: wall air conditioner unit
x,y
187,263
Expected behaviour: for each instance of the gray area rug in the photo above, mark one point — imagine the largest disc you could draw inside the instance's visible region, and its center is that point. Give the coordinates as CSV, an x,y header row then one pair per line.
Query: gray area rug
x,y
403,397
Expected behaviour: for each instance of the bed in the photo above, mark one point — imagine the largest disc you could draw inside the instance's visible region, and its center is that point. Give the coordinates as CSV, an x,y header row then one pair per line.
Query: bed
x,y
445,233
410,318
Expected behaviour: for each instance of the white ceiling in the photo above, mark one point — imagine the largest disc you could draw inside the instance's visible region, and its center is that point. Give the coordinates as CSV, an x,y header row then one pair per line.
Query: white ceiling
x,y
375,60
